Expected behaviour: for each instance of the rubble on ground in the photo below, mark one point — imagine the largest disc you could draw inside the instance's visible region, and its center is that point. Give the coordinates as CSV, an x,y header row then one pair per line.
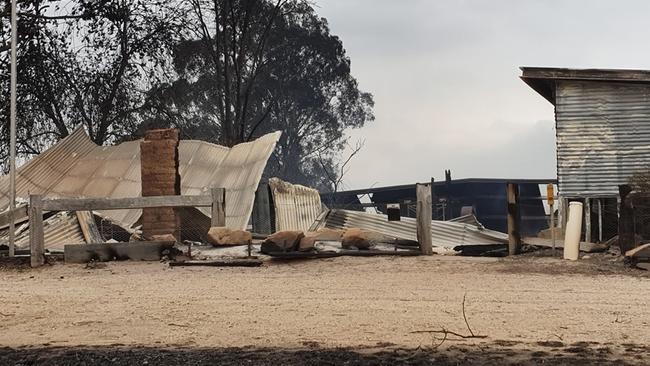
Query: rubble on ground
x,y
308,242
221,236
355,238
639,256
282,241
163,237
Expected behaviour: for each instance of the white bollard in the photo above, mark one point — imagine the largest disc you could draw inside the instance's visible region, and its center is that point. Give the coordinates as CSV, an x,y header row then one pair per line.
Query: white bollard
x,y
573,232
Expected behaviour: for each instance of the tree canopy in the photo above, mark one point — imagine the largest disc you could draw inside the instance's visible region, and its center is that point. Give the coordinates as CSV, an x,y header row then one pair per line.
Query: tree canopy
x,y
224,71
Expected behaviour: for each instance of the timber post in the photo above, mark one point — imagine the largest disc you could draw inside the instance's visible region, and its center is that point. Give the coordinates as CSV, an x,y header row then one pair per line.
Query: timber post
x,y
587,214
626,238
218,207
36,234
423,216
514,237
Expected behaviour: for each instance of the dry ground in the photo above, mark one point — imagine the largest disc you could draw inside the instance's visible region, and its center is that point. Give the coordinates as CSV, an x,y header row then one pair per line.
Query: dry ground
x,y
336,311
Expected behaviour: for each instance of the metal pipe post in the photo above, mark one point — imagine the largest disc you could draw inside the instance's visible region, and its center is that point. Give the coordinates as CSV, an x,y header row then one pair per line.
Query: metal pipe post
x,y
12,131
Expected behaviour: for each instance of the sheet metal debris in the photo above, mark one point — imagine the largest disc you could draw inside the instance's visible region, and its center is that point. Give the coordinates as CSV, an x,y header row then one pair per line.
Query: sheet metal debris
x,y
296,207
446,234
76,167
59,229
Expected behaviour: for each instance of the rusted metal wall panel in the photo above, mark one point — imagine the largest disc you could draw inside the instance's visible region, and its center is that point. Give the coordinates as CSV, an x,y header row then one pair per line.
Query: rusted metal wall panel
x,y
603,135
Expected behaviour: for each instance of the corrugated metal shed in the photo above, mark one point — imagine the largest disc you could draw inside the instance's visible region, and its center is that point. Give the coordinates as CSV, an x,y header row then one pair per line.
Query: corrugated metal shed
x,y
445,234
602,126
76,167
296,207
603,135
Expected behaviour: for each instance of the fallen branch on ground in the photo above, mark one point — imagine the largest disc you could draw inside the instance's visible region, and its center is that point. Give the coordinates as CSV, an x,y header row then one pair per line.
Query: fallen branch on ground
x,y
447,332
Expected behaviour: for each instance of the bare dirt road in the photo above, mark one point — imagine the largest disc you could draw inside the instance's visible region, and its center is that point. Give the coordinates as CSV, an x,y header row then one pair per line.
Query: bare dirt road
x,y
333,311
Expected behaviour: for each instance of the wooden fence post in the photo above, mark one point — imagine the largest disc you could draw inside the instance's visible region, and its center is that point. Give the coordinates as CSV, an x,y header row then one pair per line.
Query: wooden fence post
x,y
36,245
587,219
600,220
218,207
626,238
564,211
423,214
514,238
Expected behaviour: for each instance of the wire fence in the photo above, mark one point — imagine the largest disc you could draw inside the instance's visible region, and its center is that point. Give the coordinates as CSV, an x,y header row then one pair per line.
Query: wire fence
x,y
640,209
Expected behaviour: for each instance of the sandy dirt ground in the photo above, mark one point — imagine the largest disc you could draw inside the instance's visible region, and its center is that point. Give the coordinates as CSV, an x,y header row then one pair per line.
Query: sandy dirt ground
x,y
530,310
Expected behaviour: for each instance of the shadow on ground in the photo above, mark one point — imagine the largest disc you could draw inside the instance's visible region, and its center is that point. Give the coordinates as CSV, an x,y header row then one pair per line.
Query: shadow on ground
x,y
496,353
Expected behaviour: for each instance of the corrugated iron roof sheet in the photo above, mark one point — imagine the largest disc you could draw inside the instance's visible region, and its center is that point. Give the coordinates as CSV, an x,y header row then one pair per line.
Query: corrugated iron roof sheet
x,y
59,229
41,174
467,219
296,207
444,233
603,135
76,167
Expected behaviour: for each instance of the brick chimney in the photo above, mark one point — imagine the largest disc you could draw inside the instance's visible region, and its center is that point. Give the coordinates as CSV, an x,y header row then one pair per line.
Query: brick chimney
x,y
160,177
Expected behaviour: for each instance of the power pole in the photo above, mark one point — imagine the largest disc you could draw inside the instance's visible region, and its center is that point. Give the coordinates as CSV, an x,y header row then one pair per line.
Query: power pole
x,y
12,131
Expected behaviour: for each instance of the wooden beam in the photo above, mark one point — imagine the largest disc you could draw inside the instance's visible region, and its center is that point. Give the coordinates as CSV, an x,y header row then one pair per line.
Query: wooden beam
x,y
423,216
514,237
345,253
641,252
89,227
564,211
102,252
36,245
234,262
87,204
218,202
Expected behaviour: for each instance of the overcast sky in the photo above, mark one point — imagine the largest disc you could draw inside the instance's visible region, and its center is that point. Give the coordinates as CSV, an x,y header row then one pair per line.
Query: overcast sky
x,y
445,77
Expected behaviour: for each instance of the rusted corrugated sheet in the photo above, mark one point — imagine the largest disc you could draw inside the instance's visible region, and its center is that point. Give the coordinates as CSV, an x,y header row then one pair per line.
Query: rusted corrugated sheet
x,y
76,167
296,207
444,233
603,135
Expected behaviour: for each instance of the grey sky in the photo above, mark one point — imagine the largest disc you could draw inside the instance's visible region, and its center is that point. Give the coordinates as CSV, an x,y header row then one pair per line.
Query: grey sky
x,y
445,76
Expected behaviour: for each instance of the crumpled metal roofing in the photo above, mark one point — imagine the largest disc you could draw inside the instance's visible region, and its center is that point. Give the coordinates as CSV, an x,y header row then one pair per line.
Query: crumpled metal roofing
x,y
76,167
59,229
296,207
467,219
445,234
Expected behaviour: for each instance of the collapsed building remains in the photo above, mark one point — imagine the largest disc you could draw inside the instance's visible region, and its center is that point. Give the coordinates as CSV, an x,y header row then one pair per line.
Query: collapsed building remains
x,y
484,197
75,167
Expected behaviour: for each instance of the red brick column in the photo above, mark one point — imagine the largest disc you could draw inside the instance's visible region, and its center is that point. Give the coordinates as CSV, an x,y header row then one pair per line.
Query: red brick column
x,y
159,172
